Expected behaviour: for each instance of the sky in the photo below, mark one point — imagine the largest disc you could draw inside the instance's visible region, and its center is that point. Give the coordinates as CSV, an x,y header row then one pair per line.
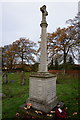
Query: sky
x,y
22,19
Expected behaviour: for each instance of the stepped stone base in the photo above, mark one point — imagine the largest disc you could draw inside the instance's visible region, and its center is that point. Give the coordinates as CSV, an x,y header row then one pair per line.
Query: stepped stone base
x,y
42,91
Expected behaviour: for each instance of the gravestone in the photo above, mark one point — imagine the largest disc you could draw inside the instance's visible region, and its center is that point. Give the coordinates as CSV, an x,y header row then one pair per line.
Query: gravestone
x,y
5,78
42,85
22,82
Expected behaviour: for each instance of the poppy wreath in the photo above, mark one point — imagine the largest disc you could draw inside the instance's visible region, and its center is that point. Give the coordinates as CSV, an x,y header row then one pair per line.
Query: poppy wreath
x,y
60,114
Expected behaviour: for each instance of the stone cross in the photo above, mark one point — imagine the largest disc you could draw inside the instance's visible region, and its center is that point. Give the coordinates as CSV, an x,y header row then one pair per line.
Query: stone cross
x,y
43,57
44,96
44,13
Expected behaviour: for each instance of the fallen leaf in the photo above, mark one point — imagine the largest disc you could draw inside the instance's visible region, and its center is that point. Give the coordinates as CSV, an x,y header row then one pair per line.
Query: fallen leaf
x,y
40,112
36,111
25,108
17,114
49,115
33,117
52,111
66,108
75,113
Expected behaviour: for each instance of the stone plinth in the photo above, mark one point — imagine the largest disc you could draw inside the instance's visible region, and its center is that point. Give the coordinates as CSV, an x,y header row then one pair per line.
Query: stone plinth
x,y
42,91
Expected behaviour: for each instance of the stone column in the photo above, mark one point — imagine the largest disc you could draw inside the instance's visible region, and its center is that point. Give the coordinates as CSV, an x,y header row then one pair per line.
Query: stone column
x,y
43,57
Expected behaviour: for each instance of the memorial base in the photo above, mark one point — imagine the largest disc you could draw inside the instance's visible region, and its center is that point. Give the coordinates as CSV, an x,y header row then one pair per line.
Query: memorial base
x,y
42,91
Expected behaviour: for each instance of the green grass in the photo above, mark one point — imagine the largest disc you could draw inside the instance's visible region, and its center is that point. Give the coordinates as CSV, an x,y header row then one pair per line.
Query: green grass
x,y
67,91
16,95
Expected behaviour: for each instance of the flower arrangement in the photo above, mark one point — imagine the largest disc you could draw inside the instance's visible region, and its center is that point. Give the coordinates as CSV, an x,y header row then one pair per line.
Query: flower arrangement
x,y
60,113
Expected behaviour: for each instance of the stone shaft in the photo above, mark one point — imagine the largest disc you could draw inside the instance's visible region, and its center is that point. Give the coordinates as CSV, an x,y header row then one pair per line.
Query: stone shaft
x,y
43,57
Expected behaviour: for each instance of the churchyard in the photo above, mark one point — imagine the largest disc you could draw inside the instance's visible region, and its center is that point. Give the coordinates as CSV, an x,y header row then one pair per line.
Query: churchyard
x,y
17,94
40,95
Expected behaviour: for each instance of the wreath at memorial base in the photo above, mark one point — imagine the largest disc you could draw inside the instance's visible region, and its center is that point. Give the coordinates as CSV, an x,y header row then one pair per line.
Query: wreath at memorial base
x,y
60,113
57,113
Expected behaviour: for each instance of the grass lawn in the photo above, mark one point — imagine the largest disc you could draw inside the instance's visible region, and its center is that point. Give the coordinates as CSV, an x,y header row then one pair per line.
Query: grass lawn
x,y
67,91
16,95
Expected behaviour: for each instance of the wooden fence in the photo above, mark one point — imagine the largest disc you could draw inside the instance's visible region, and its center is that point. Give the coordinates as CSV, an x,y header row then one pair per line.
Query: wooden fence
x,y
67,71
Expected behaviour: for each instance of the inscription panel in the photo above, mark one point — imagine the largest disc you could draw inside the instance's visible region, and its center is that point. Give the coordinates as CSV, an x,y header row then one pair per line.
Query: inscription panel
x,y
51,89
42,89
39,89
36,88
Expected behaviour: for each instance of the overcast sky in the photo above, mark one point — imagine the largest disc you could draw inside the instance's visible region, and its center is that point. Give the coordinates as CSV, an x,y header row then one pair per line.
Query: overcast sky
x,y
22,19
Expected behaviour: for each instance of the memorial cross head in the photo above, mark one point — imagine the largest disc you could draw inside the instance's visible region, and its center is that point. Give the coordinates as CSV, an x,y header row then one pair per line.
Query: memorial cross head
x,y
44,12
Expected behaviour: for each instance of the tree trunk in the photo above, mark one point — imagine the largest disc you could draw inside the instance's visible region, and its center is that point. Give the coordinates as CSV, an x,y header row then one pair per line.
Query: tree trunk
x,y
65,58
65,55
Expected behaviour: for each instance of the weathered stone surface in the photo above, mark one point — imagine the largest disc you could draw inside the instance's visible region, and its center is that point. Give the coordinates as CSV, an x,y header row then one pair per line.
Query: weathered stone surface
x,y
23,78
43,55
42,91
42,75
5,78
